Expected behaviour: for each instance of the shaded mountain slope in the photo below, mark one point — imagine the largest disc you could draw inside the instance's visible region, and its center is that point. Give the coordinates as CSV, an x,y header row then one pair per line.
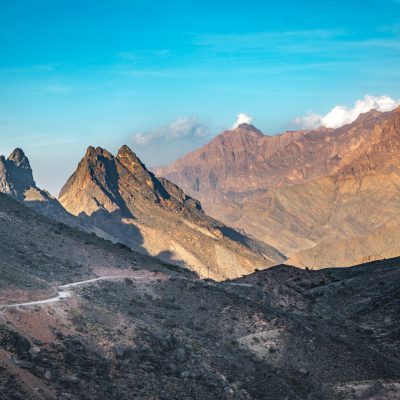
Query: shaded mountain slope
x,y
121,200
35,250
278,333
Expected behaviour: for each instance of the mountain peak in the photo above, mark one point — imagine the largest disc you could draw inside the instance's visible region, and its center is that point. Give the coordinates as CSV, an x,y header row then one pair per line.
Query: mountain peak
x,y
19,158
16,174
93,153
128,158
126,152
19,170
241,131
124,202
248,127
125,149
90,151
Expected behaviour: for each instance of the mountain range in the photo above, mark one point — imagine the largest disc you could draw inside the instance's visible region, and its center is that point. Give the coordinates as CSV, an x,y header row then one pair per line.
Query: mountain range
x,y
321,198
117,198
328,197
102,292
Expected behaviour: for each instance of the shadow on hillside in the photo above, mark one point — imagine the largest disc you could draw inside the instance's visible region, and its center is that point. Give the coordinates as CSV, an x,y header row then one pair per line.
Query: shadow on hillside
x,y
53,210
117,226
170,260
120,228
109,226
253,244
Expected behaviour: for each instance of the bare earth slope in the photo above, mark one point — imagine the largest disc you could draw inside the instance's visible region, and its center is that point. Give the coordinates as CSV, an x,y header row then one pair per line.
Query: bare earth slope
x,y
119,199
163,334
324,198
36,251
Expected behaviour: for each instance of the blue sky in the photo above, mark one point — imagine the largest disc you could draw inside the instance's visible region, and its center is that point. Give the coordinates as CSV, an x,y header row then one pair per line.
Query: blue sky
x,y
94,72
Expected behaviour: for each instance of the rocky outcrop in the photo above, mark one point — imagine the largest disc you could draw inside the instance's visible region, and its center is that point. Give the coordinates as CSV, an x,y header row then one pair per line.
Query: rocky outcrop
x,y
16,180
122,201
16,174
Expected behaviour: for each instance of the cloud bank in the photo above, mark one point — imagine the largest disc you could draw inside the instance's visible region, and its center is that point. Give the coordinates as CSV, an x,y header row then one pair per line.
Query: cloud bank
x,y
342,115
242,119
183,128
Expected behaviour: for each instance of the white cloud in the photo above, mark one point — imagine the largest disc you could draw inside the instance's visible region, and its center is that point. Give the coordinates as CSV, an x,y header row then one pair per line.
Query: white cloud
x,y
309,121
342,115
182,128
142,139
242,119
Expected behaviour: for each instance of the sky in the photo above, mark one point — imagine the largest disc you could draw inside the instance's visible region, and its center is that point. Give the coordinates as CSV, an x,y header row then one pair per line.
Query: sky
x,y
165,76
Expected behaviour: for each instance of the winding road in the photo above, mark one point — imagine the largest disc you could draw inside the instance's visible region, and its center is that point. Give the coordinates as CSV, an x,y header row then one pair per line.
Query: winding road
x,y
63,293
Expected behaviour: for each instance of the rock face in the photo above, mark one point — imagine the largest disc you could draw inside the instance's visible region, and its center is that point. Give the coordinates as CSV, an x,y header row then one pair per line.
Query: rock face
x,y
111,183
16,174
124,202
324,198
241,163
16,180
238,164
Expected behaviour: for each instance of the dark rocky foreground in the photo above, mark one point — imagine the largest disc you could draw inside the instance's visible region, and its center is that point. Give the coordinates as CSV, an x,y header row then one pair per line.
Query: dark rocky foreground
x,y
282,333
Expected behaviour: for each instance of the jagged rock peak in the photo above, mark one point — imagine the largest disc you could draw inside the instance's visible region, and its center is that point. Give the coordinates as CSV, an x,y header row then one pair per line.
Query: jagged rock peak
x,y
90,152
19,158
126,151
19,170
130,160
125,158
93,153
17,154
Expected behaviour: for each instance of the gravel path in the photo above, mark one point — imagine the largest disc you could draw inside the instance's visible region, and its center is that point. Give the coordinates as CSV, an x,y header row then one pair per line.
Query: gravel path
x,y
63,294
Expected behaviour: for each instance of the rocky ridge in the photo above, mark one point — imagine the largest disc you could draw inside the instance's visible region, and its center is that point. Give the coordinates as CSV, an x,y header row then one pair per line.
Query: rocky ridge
x,y
119,199
323,198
